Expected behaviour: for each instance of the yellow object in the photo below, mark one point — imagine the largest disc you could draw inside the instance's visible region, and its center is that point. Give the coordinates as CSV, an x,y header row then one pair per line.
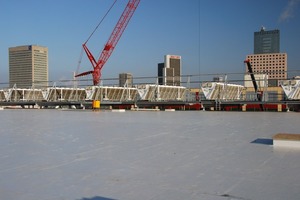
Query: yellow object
x,y
96,104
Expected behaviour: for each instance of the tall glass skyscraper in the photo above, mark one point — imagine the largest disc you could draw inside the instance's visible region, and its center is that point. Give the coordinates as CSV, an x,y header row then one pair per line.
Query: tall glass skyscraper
x,y
266,41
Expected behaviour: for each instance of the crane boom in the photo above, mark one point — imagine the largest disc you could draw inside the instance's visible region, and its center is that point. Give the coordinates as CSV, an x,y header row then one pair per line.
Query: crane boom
x,y
252,77
258,94
111,43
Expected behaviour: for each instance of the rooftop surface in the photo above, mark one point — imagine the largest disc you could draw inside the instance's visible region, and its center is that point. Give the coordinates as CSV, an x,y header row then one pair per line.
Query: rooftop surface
x,y
134,155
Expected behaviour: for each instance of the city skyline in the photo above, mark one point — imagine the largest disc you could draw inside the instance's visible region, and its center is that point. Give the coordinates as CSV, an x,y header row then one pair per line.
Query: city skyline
x,y
210,36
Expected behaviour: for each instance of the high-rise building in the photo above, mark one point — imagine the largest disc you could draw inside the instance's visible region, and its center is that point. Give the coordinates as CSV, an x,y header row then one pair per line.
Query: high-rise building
x,y
274,65
267,58
169,72
266,41
28,66
160,74
125,78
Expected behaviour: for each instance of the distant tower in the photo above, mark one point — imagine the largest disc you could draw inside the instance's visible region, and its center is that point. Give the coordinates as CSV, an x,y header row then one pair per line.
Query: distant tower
x,y
266,41
160,73
274,65
267,60
28,66
169,72
125,78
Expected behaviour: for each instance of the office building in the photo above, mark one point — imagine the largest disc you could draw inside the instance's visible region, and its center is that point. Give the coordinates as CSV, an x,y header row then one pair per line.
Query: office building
x,y
28,66
125,79
274,65
267,58
218,79
169,72
266,41
160,68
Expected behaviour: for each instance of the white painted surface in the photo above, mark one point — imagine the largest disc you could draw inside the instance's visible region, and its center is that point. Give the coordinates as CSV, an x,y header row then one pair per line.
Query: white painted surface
x,y
169,110
286,143
72,155
118,110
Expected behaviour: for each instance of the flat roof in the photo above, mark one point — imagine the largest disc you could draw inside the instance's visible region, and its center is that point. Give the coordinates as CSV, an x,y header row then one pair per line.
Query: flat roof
x,y
86,155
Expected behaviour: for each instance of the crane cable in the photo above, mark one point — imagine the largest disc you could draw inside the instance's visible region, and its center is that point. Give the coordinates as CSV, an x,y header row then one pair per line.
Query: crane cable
x,y
101,21
79,61
81,53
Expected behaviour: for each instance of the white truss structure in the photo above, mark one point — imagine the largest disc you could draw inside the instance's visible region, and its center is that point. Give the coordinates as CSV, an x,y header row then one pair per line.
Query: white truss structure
x,y
222,91
291,88
162,93
49,94
64,94
106,93
17,94
102,93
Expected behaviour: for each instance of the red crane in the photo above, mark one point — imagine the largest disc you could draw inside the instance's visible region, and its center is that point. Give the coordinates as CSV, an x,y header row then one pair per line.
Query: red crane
x,y
111,43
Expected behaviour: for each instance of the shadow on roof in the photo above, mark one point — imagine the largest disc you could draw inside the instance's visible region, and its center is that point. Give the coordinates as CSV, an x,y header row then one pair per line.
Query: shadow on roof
x,y
97,198
265,141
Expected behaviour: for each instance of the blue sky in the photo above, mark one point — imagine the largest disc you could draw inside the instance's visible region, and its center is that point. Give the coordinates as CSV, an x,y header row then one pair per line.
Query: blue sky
x,y
227,28
212,36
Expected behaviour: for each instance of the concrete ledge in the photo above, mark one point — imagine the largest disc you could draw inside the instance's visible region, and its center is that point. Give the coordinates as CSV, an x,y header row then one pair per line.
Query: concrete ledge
x,y
286,140
145,109
118,110
168,110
